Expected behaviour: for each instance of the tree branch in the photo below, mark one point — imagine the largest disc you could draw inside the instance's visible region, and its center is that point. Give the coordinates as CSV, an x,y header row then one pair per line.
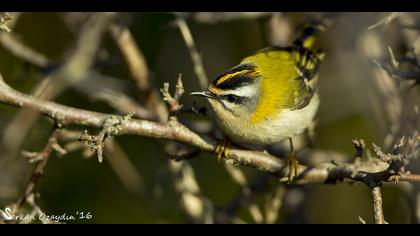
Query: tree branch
x,y
195,55
195,206
368,172
41,160
377,205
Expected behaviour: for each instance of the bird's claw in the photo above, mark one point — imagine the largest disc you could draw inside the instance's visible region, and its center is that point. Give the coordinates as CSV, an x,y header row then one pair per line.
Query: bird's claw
x,y
222,149
293,166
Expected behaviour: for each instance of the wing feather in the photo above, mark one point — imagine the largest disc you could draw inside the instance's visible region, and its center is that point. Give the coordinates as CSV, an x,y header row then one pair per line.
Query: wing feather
x,y
307,65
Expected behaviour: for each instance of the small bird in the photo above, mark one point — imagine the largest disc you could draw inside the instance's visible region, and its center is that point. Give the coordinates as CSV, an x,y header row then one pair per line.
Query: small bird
x,y
269,97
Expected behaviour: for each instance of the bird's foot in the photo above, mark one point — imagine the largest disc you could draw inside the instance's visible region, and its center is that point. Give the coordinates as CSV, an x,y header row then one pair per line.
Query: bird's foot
x,y
222,148
293,166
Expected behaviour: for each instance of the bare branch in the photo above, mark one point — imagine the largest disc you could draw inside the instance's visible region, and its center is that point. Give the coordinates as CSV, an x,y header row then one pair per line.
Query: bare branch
x,y
198,208
218,17
132,55
273,204
195,55
111,127
123,103
124,168
43,157
377,205
20,50
138,68
385,20
368,172
362,221
279,30
73,70
405,177
239,178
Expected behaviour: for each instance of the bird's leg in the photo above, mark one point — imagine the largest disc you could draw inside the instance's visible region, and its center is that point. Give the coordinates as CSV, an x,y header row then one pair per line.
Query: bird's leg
x,y
222,148
293,162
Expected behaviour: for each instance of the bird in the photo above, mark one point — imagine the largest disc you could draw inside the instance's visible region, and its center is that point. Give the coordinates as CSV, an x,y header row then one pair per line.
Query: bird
x,y
6,214
269,96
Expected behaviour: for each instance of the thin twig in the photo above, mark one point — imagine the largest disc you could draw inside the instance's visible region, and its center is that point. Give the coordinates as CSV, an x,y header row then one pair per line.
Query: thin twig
x,y
273,204
122,103
138,68
186,185
362,221
111,127
405,177
132,55
73,71
77,66
14,45
385,20
236,174
39,166
278,30
221,17
195,55
123,167
377,205
195,205
239,178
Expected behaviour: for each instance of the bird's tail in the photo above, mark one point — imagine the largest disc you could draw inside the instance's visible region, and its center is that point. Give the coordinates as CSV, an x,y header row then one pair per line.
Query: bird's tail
x,y
312,31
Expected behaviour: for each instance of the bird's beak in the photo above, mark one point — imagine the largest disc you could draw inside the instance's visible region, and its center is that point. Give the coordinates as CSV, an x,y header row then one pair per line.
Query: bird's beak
x,y
205,94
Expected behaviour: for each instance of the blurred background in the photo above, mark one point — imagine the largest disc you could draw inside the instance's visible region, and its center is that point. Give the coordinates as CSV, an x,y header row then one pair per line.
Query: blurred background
x,y
138,183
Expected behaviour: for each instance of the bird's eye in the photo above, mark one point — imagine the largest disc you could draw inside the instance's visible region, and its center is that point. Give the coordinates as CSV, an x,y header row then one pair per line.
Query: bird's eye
x,y
233,98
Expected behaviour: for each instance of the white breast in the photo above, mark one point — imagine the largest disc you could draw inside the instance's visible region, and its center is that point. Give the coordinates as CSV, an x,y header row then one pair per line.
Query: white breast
x,y
286,125
290,122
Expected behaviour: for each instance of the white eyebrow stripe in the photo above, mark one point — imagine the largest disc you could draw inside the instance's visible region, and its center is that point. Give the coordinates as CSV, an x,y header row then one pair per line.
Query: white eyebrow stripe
x,y
244,91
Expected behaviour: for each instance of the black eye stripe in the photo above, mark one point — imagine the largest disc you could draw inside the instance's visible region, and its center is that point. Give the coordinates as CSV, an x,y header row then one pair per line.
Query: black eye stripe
x,y
232,98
